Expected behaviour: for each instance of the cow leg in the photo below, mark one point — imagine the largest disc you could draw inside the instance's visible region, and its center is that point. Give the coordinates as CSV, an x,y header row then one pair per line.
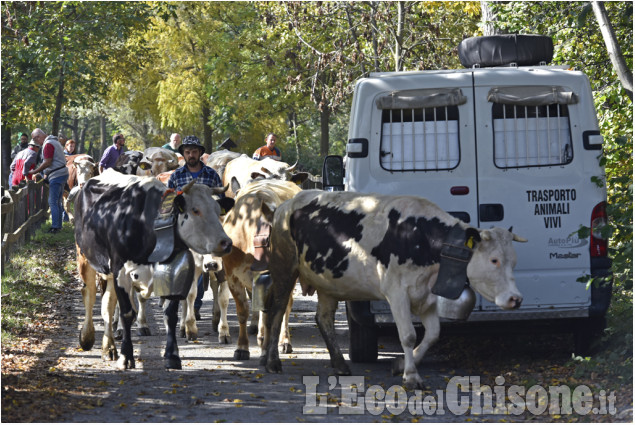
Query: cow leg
x,y
108,305
223,305
242,311
285,335
188,326
142,319
432,325
216,309
325,318
188,322
254,323
89,294
170,317
127,316
400,308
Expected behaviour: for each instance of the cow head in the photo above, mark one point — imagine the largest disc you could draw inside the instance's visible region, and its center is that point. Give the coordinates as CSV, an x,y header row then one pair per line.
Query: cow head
x,y
278,170
129,162
198,211
490,270
160,160
85,167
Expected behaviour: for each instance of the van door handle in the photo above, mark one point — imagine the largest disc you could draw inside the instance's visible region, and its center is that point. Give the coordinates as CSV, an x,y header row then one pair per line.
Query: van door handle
x,y
491,212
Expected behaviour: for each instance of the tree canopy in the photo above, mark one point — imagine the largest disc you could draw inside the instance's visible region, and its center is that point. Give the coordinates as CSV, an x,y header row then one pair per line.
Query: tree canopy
x,y
244,69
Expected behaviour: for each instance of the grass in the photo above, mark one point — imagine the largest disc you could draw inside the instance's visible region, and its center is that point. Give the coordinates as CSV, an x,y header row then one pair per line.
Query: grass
x,y
34,275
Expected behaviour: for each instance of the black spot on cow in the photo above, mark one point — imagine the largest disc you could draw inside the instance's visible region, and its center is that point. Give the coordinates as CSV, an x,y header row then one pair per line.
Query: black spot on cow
x,y
322,232
418,239
122,227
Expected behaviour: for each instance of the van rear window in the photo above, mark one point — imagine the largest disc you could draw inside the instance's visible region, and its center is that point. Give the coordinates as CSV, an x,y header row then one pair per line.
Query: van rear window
x,y
421,139
531,136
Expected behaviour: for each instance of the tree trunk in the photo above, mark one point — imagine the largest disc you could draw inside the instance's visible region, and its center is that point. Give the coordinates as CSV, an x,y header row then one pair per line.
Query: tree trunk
x,y
398,37
615,52
104,137
373,21
5,133
293,133
325,114
59,99
488,18
207,129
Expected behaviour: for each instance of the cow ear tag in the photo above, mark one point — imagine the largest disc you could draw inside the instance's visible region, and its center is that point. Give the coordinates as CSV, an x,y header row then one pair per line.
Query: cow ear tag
x,y
164,226
455,255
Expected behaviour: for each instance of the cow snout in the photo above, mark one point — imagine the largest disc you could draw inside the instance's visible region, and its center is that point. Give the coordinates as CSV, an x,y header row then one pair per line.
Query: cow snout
x,y
212,266
225,246
515,302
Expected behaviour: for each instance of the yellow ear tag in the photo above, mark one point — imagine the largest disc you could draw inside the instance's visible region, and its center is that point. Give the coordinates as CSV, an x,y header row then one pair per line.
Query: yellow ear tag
x,y
470,242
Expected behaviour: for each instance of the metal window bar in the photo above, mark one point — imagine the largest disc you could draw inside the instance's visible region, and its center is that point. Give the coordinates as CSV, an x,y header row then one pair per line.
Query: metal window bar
x,y
447,138
425,139
414,147
436,141
516,134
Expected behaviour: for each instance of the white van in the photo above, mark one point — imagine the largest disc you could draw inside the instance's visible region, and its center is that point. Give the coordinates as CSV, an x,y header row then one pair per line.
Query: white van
x,y
509,146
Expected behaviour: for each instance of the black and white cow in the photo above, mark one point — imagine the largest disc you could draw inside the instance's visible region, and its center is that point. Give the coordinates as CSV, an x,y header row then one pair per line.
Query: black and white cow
x,y
114,223
351,246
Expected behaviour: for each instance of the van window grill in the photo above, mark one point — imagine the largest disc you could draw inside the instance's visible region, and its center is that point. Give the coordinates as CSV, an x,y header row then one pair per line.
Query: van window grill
x,y
531,136
421,139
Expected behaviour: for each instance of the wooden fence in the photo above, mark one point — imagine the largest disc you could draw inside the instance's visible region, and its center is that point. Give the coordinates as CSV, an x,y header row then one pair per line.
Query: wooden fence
x,y
23,212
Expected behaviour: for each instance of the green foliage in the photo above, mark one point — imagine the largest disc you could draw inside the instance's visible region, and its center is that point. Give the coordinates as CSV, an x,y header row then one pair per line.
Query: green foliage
x,y
64,52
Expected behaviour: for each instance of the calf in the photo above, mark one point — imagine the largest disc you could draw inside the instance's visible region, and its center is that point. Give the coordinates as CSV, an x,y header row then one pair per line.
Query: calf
x,y
351,246
80,167
115,216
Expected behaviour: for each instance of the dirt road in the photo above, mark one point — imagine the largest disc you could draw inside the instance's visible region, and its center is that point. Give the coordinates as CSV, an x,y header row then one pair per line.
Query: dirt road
x,y
52,379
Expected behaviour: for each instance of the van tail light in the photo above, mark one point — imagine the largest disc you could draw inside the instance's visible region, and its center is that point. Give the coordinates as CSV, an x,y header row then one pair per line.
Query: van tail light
x,y
599,219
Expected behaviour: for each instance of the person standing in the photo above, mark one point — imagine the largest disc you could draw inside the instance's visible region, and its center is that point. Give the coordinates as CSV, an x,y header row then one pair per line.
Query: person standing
x,y
268,150
112,153
174,143
24,162
54,167
194,169
23,143
69,147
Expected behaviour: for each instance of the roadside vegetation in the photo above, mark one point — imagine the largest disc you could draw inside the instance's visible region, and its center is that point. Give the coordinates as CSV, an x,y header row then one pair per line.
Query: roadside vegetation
x,y
34,276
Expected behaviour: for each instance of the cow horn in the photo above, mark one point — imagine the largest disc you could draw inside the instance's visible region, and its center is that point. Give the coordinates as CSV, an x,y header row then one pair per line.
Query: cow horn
x,y
188,186
219,190
291,168
518,238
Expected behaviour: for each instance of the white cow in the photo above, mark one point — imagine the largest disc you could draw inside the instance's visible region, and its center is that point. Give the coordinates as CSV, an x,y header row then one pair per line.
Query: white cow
x,y
351,246
243,170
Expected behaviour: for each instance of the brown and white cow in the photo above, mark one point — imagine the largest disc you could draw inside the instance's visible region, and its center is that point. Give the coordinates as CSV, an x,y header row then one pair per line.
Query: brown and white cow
x,y
242,170
351,246
81,167
251,216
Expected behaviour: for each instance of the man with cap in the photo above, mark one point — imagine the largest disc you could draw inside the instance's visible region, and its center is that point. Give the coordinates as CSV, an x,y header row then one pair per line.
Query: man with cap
x,y
194,169
112,153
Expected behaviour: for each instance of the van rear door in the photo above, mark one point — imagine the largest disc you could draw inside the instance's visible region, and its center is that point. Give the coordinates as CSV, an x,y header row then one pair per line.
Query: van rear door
x,y
534,174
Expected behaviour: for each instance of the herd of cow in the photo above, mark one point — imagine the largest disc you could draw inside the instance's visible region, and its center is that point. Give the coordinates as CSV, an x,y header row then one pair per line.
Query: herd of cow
x,y
344,246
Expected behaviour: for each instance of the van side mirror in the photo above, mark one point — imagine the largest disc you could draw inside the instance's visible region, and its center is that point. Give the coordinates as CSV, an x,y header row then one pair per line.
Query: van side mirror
x,y
333,173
